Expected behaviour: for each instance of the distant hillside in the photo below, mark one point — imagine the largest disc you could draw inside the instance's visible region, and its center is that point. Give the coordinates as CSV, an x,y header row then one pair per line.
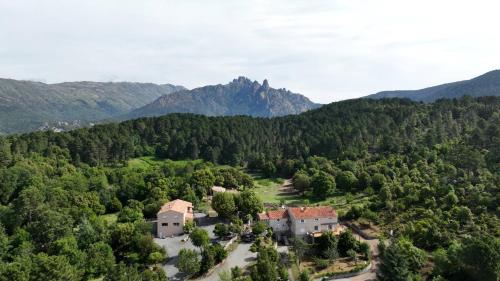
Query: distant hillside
x,y
487,84
239,97
27,106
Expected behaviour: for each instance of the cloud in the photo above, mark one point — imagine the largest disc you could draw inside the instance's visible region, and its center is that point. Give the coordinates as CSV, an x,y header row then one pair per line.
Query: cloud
x,y
326,50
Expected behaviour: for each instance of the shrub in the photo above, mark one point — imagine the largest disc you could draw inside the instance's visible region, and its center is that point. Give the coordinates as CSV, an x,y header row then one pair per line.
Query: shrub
x,y
321,263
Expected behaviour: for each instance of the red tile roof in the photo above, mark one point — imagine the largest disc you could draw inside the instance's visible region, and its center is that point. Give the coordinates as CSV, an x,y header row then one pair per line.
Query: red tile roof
x,y
312,212
274,215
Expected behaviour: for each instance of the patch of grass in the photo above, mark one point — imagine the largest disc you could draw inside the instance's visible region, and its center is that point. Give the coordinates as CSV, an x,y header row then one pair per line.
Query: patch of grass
x,y
138,163
110,218
268,189
148,162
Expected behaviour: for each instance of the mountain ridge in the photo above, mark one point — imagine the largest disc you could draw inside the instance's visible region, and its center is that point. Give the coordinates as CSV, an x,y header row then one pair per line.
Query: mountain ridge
x,y
487,84
27,105
241,96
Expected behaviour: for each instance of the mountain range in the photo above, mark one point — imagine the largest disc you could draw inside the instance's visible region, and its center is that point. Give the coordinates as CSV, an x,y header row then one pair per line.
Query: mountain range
x,y
239,97
487,84
27,106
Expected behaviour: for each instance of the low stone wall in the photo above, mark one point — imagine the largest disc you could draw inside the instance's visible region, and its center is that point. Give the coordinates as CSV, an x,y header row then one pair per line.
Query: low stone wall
x,y
230,242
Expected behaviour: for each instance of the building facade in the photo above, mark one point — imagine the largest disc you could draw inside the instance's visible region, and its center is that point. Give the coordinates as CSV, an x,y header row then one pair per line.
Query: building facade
x,y
300,221
172,217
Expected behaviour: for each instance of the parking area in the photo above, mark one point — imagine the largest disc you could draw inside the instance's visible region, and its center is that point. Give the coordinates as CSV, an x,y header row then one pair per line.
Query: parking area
x,y
241,257
174,244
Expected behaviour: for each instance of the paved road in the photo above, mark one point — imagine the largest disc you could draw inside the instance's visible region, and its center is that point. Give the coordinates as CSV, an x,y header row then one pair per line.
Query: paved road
x,y
241,257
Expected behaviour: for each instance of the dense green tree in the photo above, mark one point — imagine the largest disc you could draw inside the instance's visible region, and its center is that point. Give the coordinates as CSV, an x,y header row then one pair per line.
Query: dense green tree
x,y
202,181
199,237
259,227
249,204
56,268
221,230
322,185
378,181
128,214
100,260
301,181
400,261
265,268
188,262
326,244
346,242
223,203
346,181
300,247
122,272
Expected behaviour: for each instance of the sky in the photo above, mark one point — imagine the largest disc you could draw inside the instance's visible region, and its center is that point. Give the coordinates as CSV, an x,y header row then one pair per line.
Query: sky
x,y
327,50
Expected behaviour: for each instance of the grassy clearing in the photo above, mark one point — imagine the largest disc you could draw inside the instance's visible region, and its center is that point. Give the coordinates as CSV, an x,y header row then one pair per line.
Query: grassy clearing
x,y
110,218
148,162
269,191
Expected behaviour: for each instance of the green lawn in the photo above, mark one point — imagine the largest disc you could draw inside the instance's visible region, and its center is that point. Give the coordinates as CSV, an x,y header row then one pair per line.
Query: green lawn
x,y
110,218
268,190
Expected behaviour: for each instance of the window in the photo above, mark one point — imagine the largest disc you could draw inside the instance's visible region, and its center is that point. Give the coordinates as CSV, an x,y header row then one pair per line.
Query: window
x,y
316,227
330,226
176,224
316,219
278,220
301,221
164,224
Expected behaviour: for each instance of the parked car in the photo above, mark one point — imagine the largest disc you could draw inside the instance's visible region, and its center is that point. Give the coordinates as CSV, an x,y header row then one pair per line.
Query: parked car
x,y
247,237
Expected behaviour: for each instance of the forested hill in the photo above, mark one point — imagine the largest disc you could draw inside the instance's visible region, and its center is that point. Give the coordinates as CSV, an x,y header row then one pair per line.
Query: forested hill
x,y
239,97
487,84
347,129
26,106
72,204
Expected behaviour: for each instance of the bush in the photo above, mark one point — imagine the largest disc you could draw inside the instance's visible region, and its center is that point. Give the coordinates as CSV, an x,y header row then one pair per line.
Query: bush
x,y
258,228
321,263
219,252
221,230
189,226
189,262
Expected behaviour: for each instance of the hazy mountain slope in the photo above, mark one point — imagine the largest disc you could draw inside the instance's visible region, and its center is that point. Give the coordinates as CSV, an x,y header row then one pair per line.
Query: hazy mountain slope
x,y
487,84
26,105
239,97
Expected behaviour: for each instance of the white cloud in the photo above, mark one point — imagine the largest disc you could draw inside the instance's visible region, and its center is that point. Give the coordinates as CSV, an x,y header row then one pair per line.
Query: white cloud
x,y
326,50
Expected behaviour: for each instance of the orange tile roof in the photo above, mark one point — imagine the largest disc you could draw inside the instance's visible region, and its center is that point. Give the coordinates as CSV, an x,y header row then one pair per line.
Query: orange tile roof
x,y
274,214
312,212
178,205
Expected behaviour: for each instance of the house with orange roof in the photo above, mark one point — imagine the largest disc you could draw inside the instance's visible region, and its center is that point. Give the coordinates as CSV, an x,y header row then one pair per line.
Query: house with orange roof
x,y
301,221
172,217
